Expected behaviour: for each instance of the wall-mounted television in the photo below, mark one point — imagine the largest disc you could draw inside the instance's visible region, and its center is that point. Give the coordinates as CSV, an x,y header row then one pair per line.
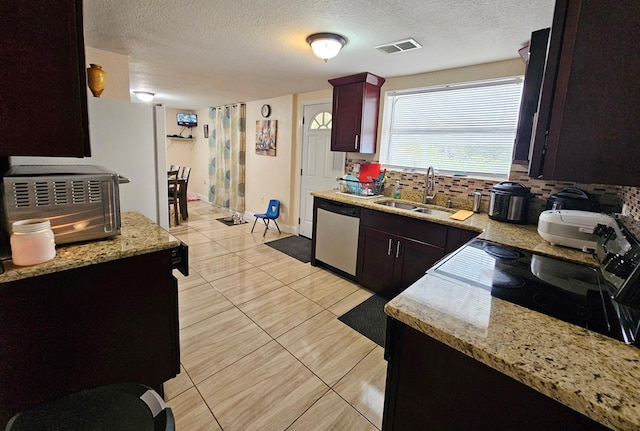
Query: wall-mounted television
x,y
187,120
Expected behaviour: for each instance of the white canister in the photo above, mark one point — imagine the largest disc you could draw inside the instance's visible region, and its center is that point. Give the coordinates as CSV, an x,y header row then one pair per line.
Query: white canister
x,y
32,242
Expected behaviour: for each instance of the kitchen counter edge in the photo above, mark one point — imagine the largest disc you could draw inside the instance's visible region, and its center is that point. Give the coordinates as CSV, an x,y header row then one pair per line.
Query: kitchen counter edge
x,y
139,235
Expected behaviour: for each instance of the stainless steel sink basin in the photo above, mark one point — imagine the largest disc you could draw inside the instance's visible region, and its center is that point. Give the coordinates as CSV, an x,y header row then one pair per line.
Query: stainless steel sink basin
x,y
432,211
399,205
415,208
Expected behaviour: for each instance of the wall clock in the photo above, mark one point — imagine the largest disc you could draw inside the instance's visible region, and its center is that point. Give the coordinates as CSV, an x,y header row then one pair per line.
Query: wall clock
x,y
266,110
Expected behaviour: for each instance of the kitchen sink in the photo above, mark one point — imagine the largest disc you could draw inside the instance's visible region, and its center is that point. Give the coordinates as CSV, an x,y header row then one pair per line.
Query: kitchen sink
x,y
416,208
432,211
399,205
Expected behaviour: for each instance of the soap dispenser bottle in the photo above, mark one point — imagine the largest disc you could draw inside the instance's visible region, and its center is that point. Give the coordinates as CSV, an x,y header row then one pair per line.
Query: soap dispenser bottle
x,y
396,191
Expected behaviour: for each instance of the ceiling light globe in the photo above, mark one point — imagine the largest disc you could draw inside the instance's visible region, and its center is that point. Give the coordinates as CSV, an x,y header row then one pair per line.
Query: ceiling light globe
x,y
326,45
144,96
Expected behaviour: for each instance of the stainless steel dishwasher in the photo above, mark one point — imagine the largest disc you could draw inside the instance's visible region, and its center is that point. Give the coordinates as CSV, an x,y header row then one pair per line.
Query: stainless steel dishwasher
x,y
337,226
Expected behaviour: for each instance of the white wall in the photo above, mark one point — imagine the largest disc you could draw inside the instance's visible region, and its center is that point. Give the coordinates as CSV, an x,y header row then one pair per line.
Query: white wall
x,y
271,177
122,137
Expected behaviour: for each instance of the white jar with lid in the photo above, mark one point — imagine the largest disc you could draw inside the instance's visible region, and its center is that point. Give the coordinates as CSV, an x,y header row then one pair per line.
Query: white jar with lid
x,y
32,242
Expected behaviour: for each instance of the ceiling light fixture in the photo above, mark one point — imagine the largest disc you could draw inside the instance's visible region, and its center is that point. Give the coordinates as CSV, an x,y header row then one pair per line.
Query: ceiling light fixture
x,y
144,96
326,45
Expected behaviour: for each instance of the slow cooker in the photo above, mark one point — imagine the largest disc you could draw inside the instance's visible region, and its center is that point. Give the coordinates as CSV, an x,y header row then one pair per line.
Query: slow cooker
x,y
509,202
572,199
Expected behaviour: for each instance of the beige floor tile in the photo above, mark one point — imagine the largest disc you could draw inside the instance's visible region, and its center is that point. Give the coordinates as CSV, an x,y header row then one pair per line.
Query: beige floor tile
x,y
331,413
206,224
199,303
208,346
324,288
260,255
280,310
288,269
187,282
177,385
221,266
191,413
266,390
246,285
327,346
238,243
217,234
205,251
190,236
356,298
363,387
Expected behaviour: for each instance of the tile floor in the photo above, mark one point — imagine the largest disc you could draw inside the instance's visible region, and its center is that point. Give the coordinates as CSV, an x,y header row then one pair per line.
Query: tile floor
x,y
261,346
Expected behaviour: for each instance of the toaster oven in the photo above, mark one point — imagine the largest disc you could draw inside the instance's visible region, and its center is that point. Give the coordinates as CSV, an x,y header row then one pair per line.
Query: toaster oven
x,y
82,202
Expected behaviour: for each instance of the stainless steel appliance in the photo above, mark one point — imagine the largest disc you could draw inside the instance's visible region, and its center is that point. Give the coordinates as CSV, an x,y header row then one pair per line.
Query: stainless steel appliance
x,y
604,299
571,198
509,201
336,235
82,202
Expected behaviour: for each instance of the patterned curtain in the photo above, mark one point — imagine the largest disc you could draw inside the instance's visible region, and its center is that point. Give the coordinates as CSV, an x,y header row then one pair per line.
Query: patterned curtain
x,y
227,146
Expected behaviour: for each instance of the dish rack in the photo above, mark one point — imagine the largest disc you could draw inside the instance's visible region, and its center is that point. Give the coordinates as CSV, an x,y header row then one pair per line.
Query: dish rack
x,y
361,188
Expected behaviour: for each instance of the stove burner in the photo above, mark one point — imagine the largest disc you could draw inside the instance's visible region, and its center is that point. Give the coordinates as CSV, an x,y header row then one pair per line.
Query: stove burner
x,y
503,280
562,308
501,252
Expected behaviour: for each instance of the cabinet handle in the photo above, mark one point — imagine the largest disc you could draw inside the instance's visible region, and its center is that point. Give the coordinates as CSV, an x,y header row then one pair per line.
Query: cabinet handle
x,y
357,138
389,249
397,249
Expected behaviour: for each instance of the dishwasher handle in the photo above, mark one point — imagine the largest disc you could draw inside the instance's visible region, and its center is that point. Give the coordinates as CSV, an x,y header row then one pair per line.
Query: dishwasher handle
x,y
340,208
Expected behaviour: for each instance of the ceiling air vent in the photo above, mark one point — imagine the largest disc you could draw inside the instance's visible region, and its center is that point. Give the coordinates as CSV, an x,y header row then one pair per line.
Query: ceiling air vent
x,y
400,46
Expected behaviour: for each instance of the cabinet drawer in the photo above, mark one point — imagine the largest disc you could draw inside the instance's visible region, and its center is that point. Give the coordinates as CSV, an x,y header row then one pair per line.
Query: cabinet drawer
x,y
423,231
379,220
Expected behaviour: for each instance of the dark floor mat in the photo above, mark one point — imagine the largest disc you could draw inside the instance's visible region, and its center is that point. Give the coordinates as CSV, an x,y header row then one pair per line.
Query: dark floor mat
x,y
229,221
297,247
369,319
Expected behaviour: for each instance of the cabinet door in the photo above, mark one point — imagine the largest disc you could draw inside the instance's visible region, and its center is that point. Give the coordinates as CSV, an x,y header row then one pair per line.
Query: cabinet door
x,y
587,121
43,96
347,117
413,258
376,259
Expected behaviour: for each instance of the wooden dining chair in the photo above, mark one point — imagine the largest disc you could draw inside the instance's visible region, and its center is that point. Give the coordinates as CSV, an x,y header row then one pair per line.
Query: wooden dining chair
x,y
174,168
172,181
182,193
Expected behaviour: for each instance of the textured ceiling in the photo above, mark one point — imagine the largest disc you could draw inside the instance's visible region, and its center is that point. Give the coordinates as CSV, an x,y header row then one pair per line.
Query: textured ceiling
x,y
199,53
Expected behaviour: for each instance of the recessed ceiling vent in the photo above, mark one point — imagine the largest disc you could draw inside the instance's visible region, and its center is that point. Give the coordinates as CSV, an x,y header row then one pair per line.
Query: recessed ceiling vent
x,y
400,46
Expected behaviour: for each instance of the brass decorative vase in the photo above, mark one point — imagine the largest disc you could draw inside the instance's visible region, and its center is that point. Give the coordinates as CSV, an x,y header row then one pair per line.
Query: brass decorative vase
x,y
97,79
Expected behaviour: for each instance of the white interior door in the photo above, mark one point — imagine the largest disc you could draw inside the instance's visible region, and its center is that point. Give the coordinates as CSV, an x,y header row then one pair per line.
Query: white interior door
x,y
320,165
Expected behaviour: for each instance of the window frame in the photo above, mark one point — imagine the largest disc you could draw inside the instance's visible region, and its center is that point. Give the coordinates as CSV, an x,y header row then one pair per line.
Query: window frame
x,y
387,113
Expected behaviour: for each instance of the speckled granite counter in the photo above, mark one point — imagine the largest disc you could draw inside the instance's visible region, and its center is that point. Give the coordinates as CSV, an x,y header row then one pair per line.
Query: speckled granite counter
x,y
139,235
524,237
592,374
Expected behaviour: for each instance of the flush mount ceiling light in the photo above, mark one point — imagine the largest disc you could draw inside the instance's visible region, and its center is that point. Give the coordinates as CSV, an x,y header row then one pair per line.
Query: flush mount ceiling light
x,y
144,96
326,45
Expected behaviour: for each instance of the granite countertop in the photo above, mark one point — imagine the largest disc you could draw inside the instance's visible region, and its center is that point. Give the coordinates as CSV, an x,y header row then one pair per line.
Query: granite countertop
x,y
524,237
588,372
139,235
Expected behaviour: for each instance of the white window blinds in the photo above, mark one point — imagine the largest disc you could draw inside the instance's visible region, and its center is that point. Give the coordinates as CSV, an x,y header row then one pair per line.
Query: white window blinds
x,y
462,128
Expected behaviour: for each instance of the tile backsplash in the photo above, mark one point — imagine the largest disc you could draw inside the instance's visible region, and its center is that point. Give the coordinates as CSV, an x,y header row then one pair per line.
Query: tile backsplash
x,y
459,190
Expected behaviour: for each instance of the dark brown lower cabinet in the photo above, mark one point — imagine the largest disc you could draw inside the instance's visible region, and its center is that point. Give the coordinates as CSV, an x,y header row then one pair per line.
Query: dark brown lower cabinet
x,y
395,251
431,386
104,323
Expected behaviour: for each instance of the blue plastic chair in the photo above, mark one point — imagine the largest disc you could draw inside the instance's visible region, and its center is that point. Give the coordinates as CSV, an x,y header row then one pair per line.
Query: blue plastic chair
x,y
273,212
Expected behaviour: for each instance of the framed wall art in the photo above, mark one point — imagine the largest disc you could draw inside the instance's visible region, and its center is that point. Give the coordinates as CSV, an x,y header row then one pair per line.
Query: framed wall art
x,y
266,137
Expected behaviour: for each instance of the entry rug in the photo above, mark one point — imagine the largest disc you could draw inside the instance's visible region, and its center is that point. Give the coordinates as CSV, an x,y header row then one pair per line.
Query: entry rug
x,y
369,319
228,221
297,247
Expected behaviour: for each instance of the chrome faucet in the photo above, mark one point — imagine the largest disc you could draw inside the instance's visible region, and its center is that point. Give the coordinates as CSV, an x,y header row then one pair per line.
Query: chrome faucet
x,y
430,185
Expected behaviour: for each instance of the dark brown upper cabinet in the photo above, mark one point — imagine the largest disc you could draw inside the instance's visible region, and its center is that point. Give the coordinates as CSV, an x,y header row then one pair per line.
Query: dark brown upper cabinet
x,y
43,93
356,103
587,124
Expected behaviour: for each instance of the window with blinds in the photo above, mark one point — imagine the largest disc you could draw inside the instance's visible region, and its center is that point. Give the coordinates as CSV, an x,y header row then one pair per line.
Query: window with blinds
x,y
460,129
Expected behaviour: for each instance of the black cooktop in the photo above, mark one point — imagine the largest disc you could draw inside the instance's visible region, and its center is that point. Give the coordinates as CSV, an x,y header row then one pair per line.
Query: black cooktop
x,y
571,292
